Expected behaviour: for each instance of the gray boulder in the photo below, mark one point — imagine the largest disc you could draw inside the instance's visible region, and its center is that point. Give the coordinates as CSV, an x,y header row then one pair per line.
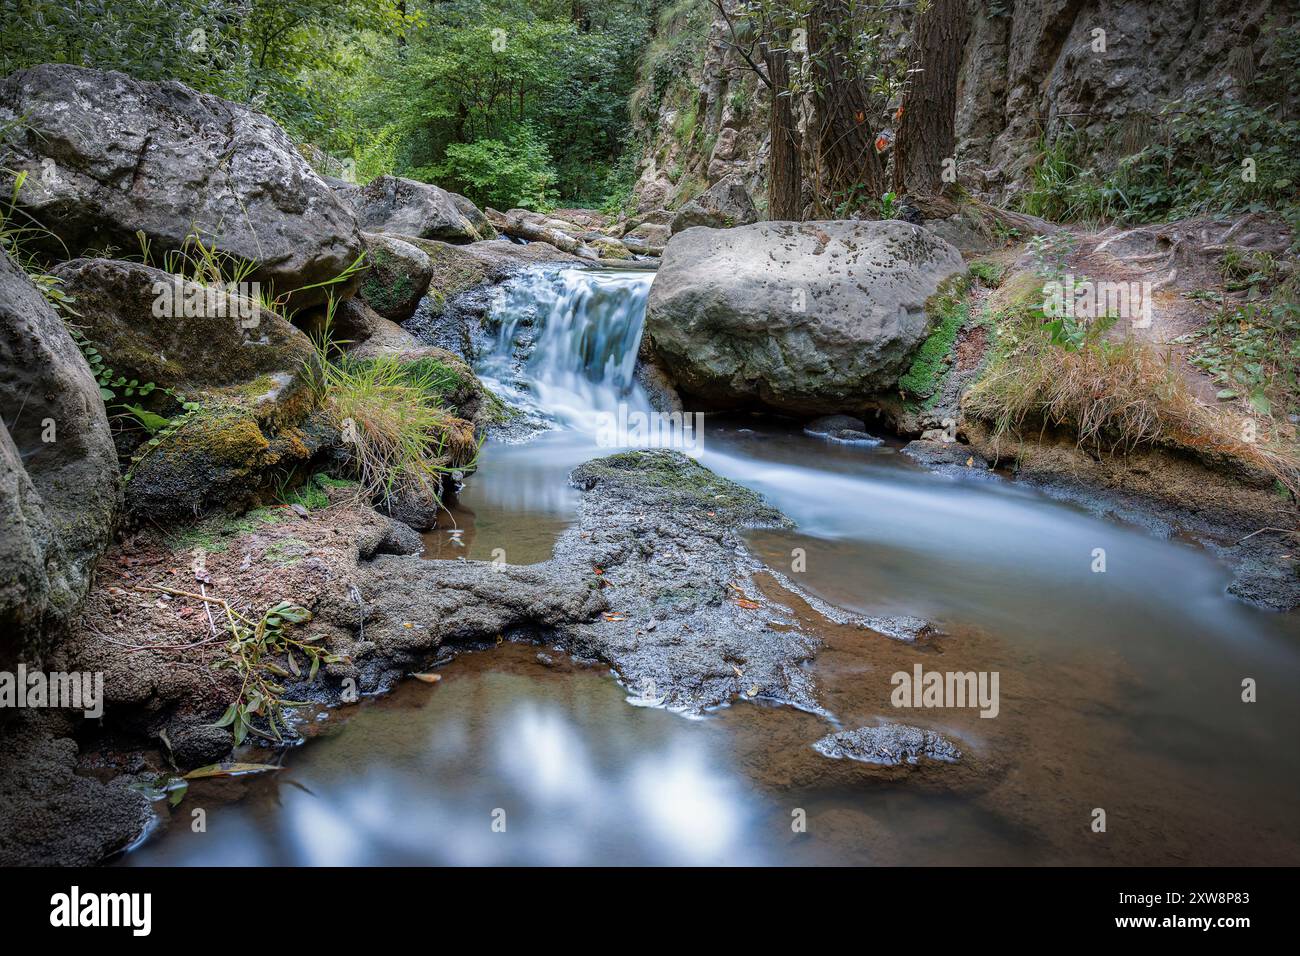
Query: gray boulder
x,y
409,208
59,479
807,318
248,369
725,204
397,278
107,156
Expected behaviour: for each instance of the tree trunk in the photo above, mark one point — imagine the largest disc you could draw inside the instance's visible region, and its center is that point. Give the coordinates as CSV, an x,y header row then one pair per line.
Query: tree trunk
x,y
847,161
785,165
925,135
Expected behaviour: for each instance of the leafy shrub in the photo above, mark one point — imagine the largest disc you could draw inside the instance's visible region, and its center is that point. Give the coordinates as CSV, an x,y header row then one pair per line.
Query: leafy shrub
x,y
501,173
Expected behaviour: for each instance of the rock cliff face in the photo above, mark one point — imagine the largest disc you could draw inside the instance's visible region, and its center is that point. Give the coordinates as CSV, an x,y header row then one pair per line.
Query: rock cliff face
x,y
1031,68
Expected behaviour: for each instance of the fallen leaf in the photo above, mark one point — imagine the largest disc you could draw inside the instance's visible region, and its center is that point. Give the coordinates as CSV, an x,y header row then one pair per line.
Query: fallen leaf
x,y
229,770
970,462
615,617
737,670
748,605
428,678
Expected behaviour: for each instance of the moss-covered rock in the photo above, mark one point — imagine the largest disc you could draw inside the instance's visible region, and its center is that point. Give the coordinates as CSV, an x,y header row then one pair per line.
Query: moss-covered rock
x,y
220,456
397,278
178,334
951,309
672,479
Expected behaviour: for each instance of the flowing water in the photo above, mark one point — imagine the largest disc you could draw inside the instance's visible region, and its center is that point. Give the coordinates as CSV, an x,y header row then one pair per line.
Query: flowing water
x,y
1119,690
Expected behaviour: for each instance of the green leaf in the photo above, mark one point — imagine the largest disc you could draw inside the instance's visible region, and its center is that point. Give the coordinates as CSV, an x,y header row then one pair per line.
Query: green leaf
x,y
106,394
227,718
1225,393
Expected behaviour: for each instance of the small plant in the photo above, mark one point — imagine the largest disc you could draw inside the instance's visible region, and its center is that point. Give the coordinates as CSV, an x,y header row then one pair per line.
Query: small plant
x,y
890,206
256,649
113,388
395,428
987,273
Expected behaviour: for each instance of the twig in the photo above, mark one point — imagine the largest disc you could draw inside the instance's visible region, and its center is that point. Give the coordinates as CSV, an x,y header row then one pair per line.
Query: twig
x,y
1262,530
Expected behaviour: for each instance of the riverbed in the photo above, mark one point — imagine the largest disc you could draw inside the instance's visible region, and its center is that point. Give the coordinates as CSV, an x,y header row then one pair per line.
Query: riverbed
x,y
1120,688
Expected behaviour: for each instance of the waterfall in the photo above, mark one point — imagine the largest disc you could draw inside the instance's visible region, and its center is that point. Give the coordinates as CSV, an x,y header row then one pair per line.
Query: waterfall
x,y
566,342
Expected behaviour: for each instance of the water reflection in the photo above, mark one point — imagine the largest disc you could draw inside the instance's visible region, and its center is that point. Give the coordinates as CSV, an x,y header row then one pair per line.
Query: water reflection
x,y
422,776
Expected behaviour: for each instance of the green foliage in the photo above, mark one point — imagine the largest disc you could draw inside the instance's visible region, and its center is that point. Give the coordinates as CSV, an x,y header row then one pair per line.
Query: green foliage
x,y
270,54
1252,349
889,207
256,649
989,274
516,171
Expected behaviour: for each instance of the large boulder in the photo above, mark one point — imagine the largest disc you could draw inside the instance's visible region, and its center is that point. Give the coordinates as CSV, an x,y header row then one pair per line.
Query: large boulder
x,y
245,367
108,156
806,318
59,480
725,204
397,278
179,334
405,207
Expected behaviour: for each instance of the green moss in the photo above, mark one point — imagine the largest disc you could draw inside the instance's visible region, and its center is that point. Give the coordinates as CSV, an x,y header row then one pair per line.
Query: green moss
x,y
215,534
929,367
988,273
680,483
454,270
384,287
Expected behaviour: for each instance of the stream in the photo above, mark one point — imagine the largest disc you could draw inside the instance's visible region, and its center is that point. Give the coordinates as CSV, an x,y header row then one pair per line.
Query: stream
x,y
1120,690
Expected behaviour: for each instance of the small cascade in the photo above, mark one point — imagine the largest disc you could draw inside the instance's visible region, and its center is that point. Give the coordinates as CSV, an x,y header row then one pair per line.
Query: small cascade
x,y
567,341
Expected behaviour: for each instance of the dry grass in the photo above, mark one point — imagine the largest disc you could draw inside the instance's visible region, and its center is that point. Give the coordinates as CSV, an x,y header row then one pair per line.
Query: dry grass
x,y
1116,396
397,435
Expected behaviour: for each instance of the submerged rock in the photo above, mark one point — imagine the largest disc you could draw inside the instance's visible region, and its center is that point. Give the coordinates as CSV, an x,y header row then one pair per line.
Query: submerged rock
x,y
107,156
841,428
59,480
889,745
805,318
948,457
652,580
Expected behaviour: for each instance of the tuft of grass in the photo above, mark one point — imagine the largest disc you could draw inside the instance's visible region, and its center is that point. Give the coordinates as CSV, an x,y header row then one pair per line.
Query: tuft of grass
x,y
396,432
988,274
